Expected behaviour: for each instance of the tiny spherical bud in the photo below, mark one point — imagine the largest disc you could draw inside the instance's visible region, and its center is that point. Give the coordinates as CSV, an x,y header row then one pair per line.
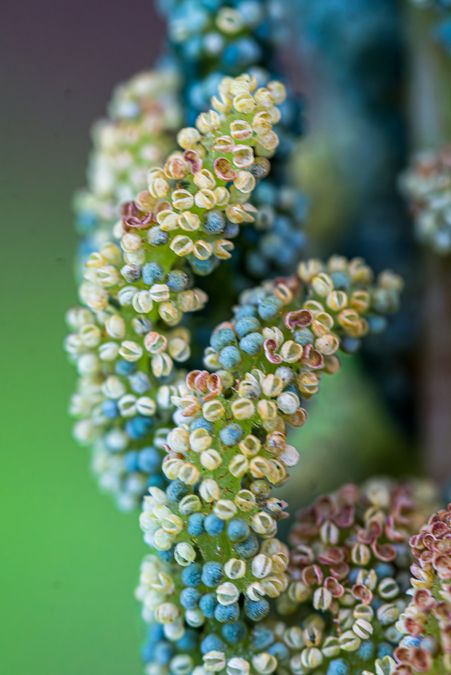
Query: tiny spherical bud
x,y
264,663
214,525
172,524
225,509
237,530
231,434
188,473
210,459
142,302
213,410
311,657
227,593
250,446
189,504
238,466
388,613
227,613
245,500
196,524
288,403
261,566
189,598
212,574
145,406
229,357
243,409
349,641
388,588
237,666
178,440
209,490
214,661
162,540
322,599
331,647
181,245
363,629
174,631
256,610
166,613
235,568
263,524
200,440
194,617
360,554
188,138
130,351
192,574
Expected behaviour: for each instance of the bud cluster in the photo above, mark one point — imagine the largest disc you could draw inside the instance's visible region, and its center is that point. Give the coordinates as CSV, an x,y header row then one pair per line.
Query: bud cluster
x,y
138,133
427,184
349,573
212,39
215,38
215,525
126,339
426,622
203,450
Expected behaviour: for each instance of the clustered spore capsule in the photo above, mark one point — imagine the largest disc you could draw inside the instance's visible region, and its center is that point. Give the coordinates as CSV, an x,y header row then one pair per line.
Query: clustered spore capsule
x,y
349,573
215,526
138,133
427,184
220,592
211,39
426,622
127,340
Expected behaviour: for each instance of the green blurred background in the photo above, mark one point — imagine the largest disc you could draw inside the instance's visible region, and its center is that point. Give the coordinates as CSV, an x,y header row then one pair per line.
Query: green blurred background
x,y
69,560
